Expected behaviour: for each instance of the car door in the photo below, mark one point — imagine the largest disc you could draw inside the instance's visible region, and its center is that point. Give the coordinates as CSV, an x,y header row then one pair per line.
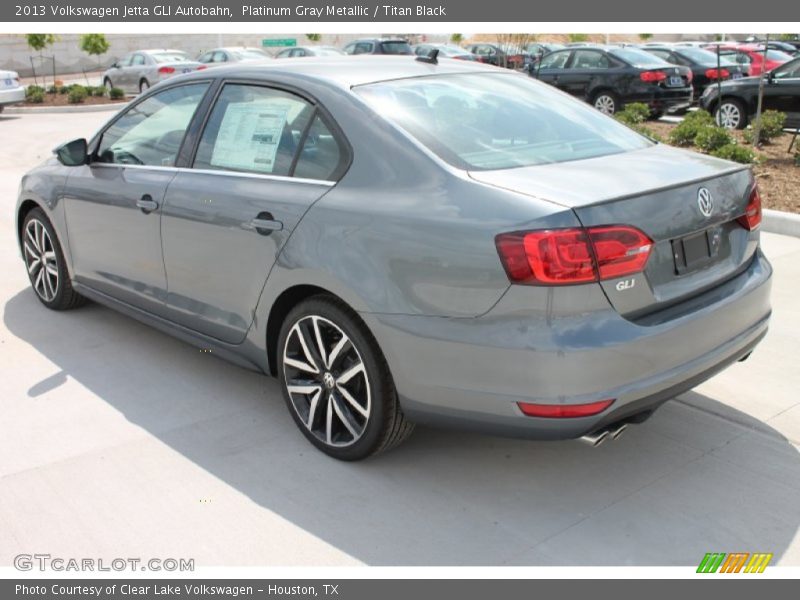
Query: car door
x,y
582,71
113,204
121,75
782,92
136,72
552,67
226,219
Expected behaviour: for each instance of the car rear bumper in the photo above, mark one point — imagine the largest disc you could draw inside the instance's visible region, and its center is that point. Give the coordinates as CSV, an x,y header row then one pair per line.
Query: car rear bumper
x,y
12,95
664,100
541,345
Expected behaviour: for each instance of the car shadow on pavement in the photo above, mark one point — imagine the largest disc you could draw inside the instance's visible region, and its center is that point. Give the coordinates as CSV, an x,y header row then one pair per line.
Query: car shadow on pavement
x,y
697,477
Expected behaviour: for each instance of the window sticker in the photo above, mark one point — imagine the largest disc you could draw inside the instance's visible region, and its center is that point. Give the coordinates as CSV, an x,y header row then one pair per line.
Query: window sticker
x,y
249,136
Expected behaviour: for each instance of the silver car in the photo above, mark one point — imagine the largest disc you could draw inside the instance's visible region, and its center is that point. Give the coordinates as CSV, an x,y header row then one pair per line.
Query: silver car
x,y
223,56
403,241
11,90
138,71
303,51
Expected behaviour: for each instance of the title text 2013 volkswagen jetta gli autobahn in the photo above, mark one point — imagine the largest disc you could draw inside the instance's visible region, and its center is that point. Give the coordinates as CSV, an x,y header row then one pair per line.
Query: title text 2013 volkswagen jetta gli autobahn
x,y
403,241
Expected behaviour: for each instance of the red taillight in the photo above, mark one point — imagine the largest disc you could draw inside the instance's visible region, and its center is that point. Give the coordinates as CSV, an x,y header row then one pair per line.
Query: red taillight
x,y
166,70
717,73
201,67
563,411
652,76
689,76
568,256
751,218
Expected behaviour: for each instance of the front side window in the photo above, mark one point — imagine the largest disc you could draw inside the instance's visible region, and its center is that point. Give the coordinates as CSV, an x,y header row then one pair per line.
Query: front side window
x,y
363,48
789,70
151,132
138,60
253,129
555,60
497,121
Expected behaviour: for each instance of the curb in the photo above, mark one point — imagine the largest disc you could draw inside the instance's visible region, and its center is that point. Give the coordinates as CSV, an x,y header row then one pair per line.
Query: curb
x,y
44,110
784,223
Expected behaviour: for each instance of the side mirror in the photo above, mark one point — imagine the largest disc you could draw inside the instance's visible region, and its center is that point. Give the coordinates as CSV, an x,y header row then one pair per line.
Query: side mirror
x,y
72,154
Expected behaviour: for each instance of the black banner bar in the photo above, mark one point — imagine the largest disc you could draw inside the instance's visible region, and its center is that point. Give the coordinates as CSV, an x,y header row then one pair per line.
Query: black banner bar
x,y
311,11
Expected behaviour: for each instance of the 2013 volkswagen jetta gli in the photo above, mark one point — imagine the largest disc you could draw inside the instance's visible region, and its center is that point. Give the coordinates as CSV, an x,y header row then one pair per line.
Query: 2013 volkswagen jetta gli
x,y
408,241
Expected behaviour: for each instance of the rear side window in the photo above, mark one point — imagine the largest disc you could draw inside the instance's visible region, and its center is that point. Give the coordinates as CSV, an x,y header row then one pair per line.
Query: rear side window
x,y
253,129
590,59
321,154
396,48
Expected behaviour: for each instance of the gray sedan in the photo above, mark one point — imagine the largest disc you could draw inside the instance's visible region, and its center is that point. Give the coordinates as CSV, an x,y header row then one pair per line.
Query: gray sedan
x,y
304,51
404,241
223,56
138,71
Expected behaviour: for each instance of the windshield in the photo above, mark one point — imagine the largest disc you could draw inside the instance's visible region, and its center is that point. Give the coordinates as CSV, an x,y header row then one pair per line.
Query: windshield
x,y
249,54
637,58
325,51
704,57
776,55
396,48
497,121
169,57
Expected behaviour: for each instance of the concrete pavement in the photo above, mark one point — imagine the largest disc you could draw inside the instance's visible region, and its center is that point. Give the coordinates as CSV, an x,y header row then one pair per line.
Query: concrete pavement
x,y
117,440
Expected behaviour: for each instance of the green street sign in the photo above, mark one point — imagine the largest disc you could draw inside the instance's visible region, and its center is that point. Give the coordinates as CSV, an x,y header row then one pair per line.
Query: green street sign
x,y
279,42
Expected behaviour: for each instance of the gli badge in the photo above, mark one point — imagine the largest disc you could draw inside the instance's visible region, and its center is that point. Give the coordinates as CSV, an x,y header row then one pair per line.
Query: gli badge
x,y
625,284
705,202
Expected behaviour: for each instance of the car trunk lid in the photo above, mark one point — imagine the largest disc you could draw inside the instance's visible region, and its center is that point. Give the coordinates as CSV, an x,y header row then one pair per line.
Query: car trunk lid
x,y
657,190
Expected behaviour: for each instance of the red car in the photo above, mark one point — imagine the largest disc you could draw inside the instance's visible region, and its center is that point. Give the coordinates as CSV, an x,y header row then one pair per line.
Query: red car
x,y
751,55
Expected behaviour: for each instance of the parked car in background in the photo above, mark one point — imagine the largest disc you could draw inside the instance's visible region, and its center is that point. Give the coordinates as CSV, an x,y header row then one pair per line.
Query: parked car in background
x,y
751,55
223,56
303,51
11,91
740,98
785,47
537,49
138,71
500,56
445,51
608,78
703,64
404,242
379,46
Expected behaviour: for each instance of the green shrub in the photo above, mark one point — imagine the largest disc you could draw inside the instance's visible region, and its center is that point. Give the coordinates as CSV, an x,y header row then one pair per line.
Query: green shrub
x,y
52,89
699,116
77,94
35,97
116,93
97,90
33,90
633,114
710,138
772,122
63,90
685,132
736,153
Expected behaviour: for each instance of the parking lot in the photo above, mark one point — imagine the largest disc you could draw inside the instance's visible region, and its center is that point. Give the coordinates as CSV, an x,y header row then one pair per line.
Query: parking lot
x,y
117,440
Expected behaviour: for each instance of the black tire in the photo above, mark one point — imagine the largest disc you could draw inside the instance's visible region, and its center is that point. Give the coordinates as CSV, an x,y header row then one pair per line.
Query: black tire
x,y
727,107
2,108
655,115
64,298
144,85
609,100
107,84
385,425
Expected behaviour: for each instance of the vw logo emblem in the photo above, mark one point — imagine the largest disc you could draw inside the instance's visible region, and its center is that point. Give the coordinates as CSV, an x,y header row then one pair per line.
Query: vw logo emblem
x,y
705,202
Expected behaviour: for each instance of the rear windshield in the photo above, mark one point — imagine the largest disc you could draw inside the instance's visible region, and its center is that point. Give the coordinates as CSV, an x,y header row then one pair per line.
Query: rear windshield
x,y
497,121
168,57
396,48
637,58
703,57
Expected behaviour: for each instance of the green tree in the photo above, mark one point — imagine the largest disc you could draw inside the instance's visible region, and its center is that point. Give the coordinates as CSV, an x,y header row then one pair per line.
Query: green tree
x,y
38,42
577,37
645,36
314,37
456,38
94,44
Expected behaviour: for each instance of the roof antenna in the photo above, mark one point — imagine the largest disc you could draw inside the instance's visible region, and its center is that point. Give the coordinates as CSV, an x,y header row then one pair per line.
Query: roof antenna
x,y
432,58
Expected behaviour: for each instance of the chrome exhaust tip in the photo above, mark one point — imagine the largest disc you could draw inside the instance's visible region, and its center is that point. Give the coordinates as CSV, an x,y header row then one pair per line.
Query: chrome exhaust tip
x,y
615,435
595,438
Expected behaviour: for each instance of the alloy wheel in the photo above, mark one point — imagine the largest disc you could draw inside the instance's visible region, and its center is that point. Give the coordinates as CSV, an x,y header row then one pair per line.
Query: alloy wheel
x,y
327,381
605,104
41,260
729,116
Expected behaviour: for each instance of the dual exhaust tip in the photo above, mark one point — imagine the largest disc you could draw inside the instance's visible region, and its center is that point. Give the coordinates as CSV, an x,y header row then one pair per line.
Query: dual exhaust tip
x,y
596,438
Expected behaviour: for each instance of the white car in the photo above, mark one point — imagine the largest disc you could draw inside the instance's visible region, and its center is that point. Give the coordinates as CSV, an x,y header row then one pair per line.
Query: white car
x,y
11,91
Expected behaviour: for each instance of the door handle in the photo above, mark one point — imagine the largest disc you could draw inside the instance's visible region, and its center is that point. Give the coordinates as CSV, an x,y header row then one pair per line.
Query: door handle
x,y
264,224
147,204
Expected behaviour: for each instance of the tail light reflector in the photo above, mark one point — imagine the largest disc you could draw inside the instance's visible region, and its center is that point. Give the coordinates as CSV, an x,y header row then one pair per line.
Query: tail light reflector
x,y
563,411
201,67
652,76
166,70
718,73
752,214
570,256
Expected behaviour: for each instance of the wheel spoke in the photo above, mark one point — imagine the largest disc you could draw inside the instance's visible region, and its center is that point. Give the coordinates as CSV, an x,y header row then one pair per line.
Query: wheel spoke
x,y
300,365
320,344
329,420
38,282
32,236
350,373
352,401
341,412
304,345
33,264
304,388
52,269
312,408
336,350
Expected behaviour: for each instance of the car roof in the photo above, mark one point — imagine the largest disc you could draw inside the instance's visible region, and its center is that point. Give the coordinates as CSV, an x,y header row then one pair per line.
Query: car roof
x,y
348,71
157,51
